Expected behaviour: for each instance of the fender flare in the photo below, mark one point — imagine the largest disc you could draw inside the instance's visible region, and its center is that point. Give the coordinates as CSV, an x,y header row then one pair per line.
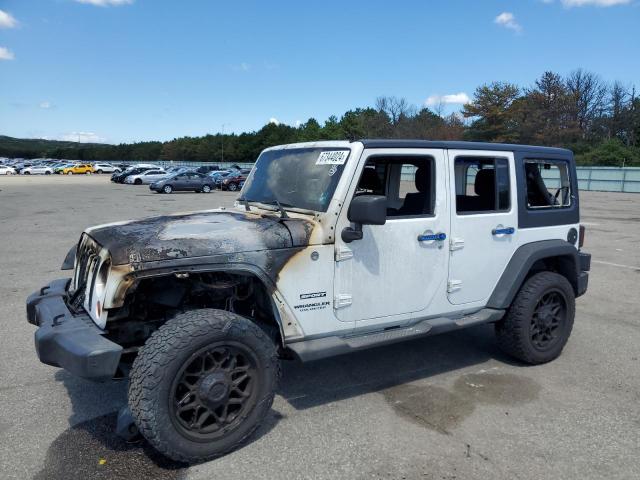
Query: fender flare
x,y
520,265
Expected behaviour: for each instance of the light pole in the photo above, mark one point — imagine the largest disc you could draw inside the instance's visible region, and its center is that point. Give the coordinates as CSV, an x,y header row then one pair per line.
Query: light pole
x,y
223,125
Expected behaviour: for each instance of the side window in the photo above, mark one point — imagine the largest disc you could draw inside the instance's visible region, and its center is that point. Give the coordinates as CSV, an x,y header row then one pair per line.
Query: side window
x,y
408,182
548,184
482,185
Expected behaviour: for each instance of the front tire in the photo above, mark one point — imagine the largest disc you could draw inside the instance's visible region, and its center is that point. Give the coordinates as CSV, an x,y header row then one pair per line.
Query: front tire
x,y
137,181
202,384
99,172
167,189
540,319
69,173
232,187
206,189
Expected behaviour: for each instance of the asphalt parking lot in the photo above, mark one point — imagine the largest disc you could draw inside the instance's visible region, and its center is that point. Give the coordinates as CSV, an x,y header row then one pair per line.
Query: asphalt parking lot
x,y
447,407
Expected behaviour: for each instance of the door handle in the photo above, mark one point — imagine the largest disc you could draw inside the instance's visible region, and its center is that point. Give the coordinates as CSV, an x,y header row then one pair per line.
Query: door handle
x,y
500,230
430,237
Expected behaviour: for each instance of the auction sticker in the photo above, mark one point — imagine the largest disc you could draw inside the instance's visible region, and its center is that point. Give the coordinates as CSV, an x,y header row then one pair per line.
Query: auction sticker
x,y
332,157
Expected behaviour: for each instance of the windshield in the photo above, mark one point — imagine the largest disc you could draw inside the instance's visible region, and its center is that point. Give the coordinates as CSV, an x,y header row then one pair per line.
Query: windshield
x,y
303,177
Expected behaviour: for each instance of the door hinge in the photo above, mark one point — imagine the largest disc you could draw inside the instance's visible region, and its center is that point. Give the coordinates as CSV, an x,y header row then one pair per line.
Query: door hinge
x,y
454,286
343,253
456,244
342,300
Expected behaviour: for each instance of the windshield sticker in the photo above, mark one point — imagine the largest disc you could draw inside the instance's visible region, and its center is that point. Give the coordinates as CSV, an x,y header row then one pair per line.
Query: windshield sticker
x,y
333,157
333,170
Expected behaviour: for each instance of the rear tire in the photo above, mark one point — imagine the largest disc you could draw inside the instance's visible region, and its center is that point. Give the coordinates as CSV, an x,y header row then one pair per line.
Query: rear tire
x,y
538,323
206,189
137,181
232,187
99,172
69,173
202,384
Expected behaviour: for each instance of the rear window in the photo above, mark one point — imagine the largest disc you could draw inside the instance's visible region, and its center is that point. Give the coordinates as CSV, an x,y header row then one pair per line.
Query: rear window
x,y
548,184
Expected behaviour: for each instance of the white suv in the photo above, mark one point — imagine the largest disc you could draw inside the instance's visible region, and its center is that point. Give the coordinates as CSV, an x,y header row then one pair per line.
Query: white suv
x,y
105,168
37,170
332,247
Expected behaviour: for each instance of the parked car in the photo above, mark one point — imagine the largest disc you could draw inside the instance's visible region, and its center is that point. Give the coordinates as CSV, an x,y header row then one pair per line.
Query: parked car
x,y
234,180
218,177
7,170
105,168
335,259
185,181
133,170
207,168
37,170
22,165
146,178
82,168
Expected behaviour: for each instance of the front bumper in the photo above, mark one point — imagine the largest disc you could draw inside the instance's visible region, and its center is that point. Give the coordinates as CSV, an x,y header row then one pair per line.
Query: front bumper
x,y
69,340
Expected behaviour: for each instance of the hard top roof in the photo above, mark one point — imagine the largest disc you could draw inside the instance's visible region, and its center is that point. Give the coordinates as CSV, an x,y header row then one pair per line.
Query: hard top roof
x,y
458,145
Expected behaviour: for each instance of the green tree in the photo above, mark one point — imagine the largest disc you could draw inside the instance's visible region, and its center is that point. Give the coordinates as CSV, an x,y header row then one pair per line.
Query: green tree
x,y
493,117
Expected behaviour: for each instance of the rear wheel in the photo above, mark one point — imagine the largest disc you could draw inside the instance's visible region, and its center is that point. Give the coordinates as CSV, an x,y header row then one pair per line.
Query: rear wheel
x,y
69,172
232,187
202,384
137,181
206,189
47,173
88,172
99,171
540,319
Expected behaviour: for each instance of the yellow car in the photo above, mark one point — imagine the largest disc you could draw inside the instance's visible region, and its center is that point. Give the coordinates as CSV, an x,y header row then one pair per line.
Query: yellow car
x,y
78,169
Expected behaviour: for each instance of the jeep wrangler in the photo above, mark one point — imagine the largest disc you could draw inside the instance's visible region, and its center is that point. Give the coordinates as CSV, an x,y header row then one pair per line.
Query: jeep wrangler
x,y
331,247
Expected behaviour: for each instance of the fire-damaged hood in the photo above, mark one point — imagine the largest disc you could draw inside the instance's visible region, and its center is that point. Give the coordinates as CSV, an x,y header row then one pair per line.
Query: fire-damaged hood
x,y
199,234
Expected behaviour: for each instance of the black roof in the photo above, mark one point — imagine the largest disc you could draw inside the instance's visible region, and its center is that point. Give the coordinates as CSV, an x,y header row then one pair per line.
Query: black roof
x,y
397,143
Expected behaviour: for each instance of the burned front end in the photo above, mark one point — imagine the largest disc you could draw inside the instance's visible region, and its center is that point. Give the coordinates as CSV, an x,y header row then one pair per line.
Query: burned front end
x,y
130,278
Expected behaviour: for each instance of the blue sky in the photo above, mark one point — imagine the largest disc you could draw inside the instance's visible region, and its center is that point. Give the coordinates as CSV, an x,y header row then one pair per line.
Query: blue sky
x,y
128,70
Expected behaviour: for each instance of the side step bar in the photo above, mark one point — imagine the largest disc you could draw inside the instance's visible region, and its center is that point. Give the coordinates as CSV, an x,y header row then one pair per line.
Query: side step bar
x,y
315,349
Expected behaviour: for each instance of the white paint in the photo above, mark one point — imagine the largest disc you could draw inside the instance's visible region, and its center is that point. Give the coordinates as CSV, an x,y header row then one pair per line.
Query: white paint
x,y
619,265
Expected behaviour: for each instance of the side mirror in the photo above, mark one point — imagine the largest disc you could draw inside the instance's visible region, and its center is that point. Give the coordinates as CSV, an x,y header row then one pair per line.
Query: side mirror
x,y
364,210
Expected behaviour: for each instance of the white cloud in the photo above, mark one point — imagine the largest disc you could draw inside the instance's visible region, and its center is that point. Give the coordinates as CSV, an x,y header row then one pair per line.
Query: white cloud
x,y
46,105
595,3
7,20
454,98
274,120
508,20
6,54
83,137
106,3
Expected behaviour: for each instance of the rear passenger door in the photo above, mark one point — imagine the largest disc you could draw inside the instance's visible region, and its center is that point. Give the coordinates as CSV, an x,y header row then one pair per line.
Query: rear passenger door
x,y
483,222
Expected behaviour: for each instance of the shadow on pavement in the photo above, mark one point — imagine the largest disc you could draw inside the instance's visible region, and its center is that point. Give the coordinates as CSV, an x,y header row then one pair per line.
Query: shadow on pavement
x,y
306,385
91,449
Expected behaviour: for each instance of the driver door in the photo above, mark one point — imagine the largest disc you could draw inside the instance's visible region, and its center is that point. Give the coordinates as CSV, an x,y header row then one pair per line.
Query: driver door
x,y
396,269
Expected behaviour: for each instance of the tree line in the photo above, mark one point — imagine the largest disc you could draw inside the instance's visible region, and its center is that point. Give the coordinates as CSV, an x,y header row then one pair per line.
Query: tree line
x,y
599,121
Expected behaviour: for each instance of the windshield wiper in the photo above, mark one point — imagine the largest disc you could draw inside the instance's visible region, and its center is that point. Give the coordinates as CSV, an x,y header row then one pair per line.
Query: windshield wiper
x,y
245,202
275,202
